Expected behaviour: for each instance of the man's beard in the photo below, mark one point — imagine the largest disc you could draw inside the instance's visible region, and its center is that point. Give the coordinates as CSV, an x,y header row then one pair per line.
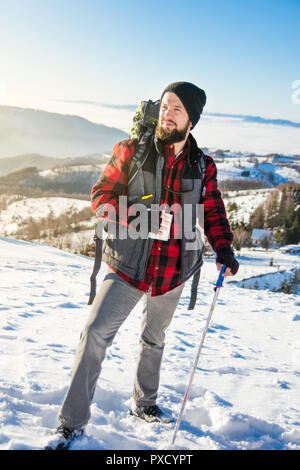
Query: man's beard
x,y
168,136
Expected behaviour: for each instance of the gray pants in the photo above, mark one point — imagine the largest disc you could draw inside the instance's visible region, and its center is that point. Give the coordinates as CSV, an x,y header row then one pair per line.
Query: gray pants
x,y
112,305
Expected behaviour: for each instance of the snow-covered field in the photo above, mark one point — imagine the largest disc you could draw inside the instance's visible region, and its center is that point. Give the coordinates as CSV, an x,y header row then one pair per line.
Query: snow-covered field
x,y
40,207
245,393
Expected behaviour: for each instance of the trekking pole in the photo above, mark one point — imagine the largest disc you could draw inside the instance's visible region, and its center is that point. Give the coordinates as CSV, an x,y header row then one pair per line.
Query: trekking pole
x,y
216,289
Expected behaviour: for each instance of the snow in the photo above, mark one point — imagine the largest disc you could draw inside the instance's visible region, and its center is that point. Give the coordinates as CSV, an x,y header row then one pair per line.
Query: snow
x,y
272,281
290,248
233,168
245,393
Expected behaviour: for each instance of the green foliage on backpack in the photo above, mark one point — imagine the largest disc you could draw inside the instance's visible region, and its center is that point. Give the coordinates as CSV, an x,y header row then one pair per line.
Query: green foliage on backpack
x,y
145,119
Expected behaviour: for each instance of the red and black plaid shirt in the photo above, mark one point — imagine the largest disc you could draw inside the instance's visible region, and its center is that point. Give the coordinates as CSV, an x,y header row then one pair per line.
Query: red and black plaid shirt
x,y
163,270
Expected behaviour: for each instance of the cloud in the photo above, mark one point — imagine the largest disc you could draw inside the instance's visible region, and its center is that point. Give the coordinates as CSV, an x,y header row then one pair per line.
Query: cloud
x,y
243,117
125,107
258,119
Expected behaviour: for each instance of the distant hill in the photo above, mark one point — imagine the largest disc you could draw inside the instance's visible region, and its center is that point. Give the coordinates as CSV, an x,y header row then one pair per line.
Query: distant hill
x,y
19,162
34,175
31,131
11,164
76,179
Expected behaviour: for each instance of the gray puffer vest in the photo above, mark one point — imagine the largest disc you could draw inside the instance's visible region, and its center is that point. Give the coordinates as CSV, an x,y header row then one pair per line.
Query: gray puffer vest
x,y
131,256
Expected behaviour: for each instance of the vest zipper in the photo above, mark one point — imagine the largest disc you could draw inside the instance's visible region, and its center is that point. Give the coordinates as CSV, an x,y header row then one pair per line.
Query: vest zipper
x,y
149,241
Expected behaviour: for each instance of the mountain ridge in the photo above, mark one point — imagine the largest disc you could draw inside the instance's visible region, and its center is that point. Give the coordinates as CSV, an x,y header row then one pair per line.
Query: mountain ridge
x,y
33,131
41,162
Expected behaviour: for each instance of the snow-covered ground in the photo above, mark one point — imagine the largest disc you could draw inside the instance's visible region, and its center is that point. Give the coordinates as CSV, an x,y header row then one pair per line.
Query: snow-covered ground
x,y
245,393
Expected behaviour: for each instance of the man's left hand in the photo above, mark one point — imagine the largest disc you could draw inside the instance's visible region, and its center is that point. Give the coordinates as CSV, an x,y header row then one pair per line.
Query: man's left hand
x,y
231,263
227,270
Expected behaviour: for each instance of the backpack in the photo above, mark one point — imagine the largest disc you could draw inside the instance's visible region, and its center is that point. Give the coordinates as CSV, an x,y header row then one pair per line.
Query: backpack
x,y
142,132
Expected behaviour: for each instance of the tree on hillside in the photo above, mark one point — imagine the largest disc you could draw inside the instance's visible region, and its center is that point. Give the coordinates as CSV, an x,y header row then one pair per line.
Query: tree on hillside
x,y
280,213
288,230
271,210
266,243
241,238
257,220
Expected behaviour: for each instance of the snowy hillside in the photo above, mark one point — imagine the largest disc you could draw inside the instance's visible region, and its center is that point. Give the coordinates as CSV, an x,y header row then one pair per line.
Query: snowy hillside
x,y
51,215
11,219
25,130
245,393
12,164
81,176
235,171
246,203
271,169
20,209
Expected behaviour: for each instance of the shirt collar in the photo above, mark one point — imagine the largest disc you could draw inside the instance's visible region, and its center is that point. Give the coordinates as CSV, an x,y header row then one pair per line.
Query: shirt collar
x,y
169,150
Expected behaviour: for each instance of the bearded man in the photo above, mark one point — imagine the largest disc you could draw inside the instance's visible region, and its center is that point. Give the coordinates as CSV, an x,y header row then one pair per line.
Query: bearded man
x,y
154,268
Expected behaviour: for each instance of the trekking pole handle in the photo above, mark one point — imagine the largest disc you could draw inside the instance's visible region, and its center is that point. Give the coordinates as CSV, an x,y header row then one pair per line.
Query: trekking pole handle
x,y
221,277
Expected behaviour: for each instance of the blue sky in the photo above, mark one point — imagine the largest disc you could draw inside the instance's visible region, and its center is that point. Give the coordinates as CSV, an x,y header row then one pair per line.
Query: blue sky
x,y
244,54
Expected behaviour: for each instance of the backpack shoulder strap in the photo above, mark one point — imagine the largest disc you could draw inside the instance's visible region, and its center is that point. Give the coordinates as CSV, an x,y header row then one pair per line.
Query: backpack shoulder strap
x,y
196,277
202,168
142,150
97,264
194,289
197,159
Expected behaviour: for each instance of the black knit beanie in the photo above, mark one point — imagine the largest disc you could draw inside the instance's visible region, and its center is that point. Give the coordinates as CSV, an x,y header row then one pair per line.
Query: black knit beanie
x,y
192,98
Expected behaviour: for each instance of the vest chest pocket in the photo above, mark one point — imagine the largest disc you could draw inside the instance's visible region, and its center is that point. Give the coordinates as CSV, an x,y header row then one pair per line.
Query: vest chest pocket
x,y
191,191
135,192
187,184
